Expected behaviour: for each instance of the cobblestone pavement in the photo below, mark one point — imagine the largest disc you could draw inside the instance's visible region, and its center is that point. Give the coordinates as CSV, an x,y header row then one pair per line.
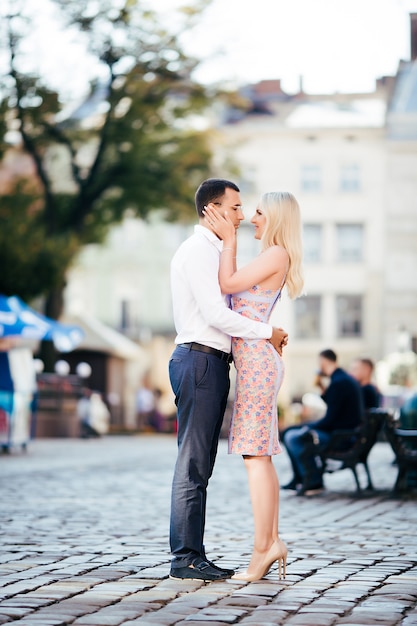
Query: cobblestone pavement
x,y
84,541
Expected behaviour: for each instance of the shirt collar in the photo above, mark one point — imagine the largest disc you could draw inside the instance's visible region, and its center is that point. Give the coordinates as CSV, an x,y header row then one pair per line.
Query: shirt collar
x,y
202,230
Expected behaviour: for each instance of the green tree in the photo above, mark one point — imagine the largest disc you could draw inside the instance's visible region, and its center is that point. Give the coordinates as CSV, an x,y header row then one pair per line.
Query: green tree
x,y
138,150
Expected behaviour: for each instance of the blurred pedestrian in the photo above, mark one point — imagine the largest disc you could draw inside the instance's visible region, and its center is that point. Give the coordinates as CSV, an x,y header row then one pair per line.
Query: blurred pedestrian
x,y
145,407
345,409
362,370
255,289
93,414
199,375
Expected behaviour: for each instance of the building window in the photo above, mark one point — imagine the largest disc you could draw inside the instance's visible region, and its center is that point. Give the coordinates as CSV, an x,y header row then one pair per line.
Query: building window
x,y
349,316
349,243
350,180
312,243
307,317
310,178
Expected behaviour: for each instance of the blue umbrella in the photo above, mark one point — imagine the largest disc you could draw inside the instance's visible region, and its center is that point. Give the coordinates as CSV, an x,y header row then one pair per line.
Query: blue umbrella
x,y
18,319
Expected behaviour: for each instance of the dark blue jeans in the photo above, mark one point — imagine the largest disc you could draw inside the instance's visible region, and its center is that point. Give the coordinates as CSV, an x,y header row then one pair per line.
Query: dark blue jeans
x,y
201,384
303,455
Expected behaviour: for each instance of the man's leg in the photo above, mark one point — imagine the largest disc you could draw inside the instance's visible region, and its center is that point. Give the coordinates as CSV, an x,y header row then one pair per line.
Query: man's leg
x,y
294,446
201,384
309,460
290,443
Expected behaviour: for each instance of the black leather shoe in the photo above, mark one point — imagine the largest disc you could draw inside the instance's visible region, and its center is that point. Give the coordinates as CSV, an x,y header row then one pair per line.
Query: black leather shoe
x,y
228,572
292,485
199,570
310,490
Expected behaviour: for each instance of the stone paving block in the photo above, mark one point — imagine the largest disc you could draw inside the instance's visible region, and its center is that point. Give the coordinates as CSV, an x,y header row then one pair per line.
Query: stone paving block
x,y
77,607
57,613
372,616
171,614
243,601
403,578
138,622
188,623
229,615
192,600
153,595
141,583
323,610
265,618
14,612
278,622
311,584
295,595
23,601
333,603
95,619
163,618
310,619
382,602
142,608
33,620
260,588
119,587
409,588
112,617
37,620
146,621
289,606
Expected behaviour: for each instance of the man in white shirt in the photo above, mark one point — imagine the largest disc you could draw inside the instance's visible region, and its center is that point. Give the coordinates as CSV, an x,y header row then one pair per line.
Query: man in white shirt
x,y
199,374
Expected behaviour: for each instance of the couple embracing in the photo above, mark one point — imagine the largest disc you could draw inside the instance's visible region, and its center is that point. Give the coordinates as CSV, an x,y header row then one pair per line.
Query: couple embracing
x,y
204,280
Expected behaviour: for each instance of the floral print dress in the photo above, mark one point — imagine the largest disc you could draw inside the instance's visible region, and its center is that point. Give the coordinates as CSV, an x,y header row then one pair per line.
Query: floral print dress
x,y
260,372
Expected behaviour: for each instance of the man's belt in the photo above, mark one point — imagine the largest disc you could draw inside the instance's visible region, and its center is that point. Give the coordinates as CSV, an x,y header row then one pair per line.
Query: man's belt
x,y
223,356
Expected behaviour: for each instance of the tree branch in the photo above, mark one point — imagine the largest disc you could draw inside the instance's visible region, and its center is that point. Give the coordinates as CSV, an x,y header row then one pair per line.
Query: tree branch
x,y
28,143
59,136
86,199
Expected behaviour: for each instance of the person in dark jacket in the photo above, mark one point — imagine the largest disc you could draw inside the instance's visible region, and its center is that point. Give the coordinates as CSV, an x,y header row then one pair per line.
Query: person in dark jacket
x,y
345,409
362,370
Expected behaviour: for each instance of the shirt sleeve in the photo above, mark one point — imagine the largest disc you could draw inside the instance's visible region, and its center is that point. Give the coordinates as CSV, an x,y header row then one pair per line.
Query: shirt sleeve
x,y
205,288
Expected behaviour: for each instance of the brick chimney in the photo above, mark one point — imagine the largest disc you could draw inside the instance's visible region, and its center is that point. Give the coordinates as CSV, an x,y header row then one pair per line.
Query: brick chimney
x,y
413,36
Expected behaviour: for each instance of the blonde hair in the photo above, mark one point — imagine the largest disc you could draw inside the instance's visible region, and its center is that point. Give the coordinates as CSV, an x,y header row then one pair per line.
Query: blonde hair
x,y
283,228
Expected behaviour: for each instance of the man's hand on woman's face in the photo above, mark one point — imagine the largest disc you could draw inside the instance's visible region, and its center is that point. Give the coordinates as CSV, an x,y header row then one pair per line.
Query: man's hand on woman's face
x,y
222,225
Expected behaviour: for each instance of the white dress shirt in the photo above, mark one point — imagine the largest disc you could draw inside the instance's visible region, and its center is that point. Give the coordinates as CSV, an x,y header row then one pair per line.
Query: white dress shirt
x,y
201,311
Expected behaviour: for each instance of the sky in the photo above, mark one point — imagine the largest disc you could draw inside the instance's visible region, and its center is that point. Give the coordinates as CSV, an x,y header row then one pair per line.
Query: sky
x,y
334,45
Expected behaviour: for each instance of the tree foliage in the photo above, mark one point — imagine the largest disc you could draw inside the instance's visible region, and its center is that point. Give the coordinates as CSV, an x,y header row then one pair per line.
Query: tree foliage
x,y
129,146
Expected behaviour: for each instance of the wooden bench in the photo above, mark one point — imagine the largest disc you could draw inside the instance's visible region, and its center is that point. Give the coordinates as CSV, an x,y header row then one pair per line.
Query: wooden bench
x,y
404,444
349,448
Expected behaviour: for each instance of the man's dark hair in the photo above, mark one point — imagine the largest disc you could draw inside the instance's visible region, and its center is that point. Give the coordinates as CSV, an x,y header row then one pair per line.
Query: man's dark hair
x,y
211,190
329,354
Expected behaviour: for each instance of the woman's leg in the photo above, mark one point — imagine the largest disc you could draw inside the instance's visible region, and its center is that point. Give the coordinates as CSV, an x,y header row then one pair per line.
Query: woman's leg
x,y
275,525
264,493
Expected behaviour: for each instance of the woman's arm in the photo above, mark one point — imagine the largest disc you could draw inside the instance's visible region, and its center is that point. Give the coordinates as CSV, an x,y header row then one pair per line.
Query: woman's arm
x,y
271,262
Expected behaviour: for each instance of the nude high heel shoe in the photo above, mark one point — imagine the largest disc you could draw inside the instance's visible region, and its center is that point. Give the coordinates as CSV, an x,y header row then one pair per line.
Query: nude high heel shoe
x,y
277,552
282,559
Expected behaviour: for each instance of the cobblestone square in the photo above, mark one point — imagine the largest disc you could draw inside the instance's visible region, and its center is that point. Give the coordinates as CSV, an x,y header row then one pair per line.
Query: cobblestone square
x,y
84,541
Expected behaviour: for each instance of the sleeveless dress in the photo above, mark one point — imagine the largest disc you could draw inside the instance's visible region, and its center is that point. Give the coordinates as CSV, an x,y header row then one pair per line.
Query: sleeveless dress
x,y
260,372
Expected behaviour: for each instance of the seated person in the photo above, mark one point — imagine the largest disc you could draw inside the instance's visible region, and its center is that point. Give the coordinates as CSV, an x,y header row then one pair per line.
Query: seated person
x,y
345,410
362,370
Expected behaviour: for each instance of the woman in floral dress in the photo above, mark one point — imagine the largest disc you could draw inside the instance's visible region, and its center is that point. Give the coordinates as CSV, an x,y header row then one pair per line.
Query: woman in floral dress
x,y
255,290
